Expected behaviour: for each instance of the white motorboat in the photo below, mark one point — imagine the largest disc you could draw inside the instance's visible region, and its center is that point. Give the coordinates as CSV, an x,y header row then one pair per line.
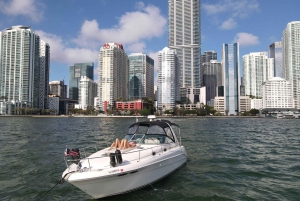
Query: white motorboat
x,y
155,152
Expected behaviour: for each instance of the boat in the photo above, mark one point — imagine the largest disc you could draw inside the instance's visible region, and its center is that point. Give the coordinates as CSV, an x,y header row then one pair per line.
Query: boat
x,y
153,152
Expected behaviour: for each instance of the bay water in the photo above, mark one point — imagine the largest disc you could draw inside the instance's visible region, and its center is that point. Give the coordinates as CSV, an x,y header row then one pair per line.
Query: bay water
x,y
228,158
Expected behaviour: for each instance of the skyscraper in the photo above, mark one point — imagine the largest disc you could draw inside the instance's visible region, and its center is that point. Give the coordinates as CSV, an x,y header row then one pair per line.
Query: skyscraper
x,y
257,68
141,76
291,55
58,88
185,37
87,93
212,78
24,69
276,53
168,85
44,73
208,55
113,74
76,71
231,78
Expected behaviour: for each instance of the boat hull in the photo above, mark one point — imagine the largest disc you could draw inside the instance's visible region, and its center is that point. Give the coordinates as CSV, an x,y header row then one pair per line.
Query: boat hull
x,y
134,179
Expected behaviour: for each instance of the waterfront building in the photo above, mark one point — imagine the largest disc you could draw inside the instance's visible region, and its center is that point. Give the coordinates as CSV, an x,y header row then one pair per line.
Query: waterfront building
x,y
276,53
256,104
113,75
76,72
231,80
168,79
58,88
141,76
212,78
291,55
245,103
277,93
138,104
202,96
24,70
219,104
257,68
87,93
185,37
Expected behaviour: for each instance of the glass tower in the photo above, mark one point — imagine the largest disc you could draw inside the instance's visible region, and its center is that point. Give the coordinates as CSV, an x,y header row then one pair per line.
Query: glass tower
x,y
231,78
212,78
168,79
76,71
291,57
185,37
24,69
141,76
276,53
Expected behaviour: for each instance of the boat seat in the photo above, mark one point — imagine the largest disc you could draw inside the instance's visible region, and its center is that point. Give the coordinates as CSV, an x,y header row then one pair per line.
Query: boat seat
x,y
152,141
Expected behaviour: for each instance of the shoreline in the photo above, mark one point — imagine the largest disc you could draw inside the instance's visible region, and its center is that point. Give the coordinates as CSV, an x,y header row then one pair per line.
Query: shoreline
x,y
81,116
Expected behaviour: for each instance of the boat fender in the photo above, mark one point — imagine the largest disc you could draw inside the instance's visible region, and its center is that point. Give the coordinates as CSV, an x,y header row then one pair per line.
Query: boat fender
x,y
153,153
112,159
118,156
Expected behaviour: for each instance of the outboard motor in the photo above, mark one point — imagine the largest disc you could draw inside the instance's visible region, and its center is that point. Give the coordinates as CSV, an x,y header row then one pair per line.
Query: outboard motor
x,y
118,156
112,159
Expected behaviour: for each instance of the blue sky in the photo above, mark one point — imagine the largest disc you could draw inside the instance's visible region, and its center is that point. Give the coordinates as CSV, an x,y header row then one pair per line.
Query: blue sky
x,y
76,29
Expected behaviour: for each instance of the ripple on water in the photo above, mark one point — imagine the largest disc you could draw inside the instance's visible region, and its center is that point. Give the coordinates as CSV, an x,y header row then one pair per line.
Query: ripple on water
x,y
228,158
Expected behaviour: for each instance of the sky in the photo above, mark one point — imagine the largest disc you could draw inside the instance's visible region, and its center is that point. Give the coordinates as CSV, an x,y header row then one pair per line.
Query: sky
x,y
77,29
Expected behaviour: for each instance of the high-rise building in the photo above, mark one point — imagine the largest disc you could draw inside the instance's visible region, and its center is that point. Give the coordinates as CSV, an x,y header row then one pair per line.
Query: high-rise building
x,y
257,68
58,88
185,37
276,53
113,75
277,93
208,56
212,78
168,85
141,76
44,73
230,57
291,55
76,71
87,93
24,69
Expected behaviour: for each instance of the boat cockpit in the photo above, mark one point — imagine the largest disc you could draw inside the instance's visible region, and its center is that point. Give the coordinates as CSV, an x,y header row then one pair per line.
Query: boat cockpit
x,y
153,132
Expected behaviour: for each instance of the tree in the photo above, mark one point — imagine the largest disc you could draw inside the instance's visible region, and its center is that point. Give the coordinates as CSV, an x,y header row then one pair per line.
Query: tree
x,y
227,111
144,112
254,112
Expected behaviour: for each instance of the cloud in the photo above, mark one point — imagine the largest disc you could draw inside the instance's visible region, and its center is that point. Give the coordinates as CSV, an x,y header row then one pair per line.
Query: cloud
x,y
246,39
30,8
61,53
228,24
234,9
133,27
136,47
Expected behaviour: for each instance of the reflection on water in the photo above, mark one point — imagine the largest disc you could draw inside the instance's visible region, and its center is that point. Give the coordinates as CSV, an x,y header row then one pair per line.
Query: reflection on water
x,y
228,158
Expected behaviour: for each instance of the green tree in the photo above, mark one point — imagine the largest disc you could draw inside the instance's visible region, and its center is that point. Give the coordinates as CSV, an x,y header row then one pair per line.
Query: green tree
x,y
254,112
145,112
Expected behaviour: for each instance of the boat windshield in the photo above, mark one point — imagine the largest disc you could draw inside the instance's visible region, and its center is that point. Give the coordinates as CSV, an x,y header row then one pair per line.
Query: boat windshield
x,y
146,133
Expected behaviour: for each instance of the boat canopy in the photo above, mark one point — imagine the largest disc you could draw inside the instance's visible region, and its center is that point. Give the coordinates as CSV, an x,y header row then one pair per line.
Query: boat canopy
x,y
161,127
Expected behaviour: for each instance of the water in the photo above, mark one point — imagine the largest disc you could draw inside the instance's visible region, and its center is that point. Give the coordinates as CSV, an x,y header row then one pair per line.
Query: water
x,y
228,158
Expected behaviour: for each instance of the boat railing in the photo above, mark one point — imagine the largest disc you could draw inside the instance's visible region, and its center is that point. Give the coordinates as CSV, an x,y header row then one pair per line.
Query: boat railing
x,y
153,151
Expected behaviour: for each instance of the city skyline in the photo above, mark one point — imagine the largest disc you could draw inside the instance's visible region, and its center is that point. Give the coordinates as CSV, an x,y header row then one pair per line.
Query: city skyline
x,y
79,38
